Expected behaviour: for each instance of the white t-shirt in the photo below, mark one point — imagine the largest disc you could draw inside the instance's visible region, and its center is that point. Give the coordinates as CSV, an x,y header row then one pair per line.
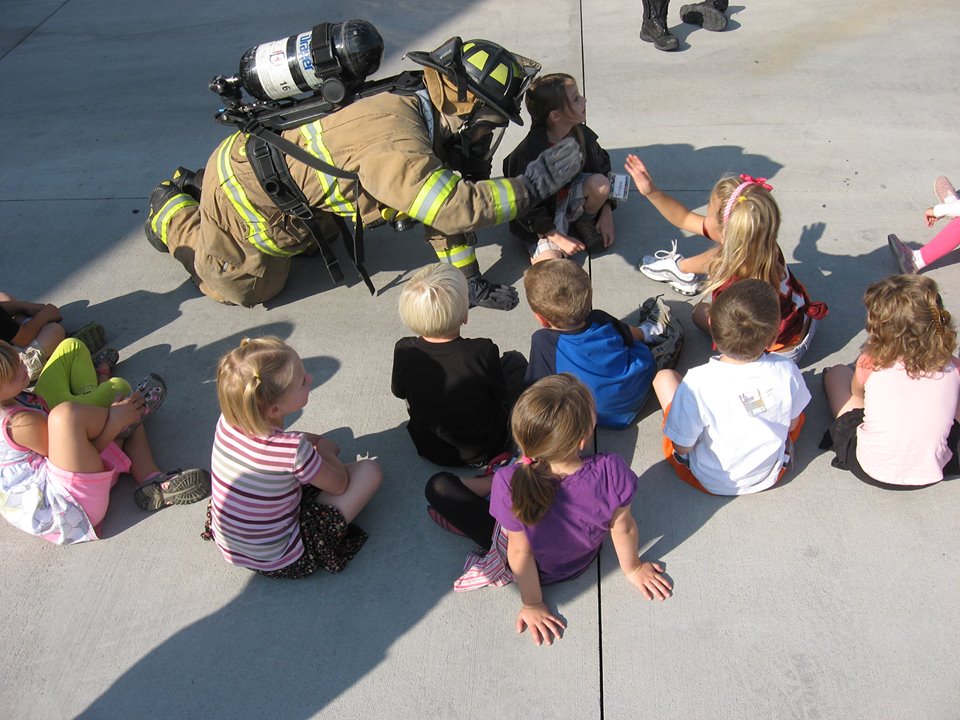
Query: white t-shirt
x,y
736,417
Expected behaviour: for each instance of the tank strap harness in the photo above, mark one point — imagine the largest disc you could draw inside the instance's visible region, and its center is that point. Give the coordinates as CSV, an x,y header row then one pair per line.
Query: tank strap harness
x,y
267,151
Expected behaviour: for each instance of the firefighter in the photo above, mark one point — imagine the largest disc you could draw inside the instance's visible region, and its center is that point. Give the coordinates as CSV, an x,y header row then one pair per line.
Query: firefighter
x,y
424,154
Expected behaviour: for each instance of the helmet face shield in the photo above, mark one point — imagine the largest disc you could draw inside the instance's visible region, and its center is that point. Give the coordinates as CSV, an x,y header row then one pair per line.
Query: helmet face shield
x,y
481,134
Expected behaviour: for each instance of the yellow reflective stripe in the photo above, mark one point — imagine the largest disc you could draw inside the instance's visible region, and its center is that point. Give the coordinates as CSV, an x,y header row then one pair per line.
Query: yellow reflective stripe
x,y
161,221
434,193
459,256
504,199
500,74
257,226
335,199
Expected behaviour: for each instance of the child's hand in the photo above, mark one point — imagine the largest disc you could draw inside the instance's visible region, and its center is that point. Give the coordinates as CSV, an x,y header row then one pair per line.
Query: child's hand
x,y
641,178
49,313
325,446
930,217
123,412
568,245
543,625
650,582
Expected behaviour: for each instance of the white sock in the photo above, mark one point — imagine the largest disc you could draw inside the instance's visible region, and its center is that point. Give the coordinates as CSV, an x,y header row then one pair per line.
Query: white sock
x,y
651,330
918,260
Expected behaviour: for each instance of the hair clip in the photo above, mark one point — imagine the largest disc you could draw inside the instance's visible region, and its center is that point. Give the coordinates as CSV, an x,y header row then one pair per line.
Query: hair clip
x,y
524,460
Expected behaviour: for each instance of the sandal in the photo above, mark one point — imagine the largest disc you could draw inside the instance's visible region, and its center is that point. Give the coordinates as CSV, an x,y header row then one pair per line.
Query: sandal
x,y
443,522
154,391
92,335
177,487
105,362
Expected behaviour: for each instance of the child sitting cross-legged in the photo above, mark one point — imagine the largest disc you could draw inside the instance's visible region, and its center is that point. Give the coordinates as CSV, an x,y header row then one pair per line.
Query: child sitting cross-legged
x,y
458,390
605,354
729,425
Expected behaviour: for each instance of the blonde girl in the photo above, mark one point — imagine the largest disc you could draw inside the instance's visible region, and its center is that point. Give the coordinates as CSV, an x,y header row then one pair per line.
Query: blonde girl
x,y
896,410
579,217
282,501
555,507
57,466
744,220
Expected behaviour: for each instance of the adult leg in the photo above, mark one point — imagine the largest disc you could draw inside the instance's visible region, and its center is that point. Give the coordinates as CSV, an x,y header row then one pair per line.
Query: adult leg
x,y
365,478
654,28
462,505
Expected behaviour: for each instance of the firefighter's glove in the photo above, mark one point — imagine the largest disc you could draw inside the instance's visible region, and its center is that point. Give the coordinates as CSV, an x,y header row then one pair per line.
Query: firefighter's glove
x,y
552,169
489,295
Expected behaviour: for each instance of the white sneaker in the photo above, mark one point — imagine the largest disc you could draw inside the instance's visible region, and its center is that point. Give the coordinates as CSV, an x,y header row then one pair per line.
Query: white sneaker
x,y
663,266
691,288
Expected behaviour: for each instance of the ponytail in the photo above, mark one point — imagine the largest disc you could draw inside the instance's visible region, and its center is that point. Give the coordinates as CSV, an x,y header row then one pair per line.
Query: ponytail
x,y
549,421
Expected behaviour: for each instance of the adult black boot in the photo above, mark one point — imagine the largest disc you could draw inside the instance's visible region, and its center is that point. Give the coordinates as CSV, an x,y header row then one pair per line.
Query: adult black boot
x,y
709,14
654,28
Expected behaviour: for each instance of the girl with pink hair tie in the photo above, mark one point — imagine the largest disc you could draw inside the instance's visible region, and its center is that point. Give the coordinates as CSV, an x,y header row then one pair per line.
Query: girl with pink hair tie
x,y
743,219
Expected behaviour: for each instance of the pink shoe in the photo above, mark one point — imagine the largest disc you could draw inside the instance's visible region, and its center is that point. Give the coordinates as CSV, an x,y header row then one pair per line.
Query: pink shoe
x,y
944,190
442,521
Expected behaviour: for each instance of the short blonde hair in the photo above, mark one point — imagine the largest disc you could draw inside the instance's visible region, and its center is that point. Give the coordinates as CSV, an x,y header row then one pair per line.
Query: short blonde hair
x,y
252,378
559,291
435,301
9,362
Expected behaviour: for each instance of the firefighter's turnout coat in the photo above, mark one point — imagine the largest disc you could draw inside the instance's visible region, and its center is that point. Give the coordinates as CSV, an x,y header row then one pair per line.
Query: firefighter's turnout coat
x,y
237,244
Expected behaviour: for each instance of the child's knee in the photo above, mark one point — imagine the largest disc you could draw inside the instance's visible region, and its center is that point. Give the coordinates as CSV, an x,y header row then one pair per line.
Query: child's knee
x,y
369,472
597,186
438,486
63,419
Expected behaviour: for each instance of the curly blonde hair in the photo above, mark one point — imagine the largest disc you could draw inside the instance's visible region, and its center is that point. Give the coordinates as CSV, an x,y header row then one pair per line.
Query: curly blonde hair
x,y
749,248
252,378
906,322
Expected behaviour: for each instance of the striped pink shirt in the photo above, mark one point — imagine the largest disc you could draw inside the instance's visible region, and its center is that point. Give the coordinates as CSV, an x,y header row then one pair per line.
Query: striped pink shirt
x,y
255,505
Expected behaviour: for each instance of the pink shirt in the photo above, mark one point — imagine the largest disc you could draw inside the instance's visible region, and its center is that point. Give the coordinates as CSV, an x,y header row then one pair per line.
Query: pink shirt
x,y
903,438
255,504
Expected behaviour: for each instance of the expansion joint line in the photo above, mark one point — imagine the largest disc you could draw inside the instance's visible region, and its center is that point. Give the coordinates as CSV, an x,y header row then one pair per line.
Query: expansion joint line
x,y
39,25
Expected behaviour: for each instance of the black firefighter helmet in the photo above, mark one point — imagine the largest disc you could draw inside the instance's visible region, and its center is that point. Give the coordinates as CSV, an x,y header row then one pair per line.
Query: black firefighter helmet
x,y
495,75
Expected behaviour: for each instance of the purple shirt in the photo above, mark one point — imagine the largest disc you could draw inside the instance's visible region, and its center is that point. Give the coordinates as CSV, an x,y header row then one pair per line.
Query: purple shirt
x,y
568,537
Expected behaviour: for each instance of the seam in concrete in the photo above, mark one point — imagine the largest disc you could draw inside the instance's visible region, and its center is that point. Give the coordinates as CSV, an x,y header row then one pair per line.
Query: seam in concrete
x,y
600,632
42,22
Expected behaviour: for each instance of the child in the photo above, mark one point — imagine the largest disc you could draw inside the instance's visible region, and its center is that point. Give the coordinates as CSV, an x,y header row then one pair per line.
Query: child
x,y
608,356
729,425
896,413
458,390
947,240
57,466
580,215
744,220
33,329
282,500
554,507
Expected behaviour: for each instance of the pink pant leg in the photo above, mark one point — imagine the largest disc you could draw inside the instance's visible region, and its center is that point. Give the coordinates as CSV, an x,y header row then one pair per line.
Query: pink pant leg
x,y
943,242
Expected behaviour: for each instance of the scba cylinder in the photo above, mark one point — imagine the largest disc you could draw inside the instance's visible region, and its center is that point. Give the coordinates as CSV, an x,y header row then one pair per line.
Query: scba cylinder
x,y
332,58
